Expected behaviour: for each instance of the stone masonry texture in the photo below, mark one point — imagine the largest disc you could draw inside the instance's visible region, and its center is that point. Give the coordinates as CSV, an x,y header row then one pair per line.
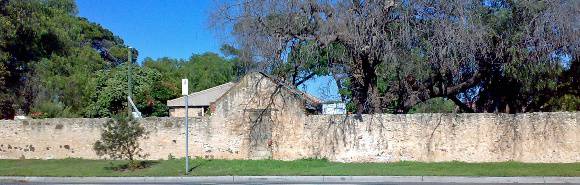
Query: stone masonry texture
x,y
261,119
533,137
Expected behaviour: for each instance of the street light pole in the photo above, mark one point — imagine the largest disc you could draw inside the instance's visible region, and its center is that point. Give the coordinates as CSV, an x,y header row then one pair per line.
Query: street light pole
x,y
129,92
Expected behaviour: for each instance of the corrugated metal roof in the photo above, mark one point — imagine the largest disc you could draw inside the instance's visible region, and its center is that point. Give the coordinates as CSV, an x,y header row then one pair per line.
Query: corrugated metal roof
x,y
202,98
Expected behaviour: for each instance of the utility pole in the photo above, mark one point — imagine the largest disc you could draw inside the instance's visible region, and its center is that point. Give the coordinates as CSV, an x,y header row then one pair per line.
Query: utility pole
x,y
129,92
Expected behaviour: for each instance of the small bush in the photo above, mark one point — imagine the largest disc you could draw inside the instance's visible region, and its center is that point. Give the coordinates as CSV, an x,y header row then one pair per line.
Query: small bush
x,y
120,140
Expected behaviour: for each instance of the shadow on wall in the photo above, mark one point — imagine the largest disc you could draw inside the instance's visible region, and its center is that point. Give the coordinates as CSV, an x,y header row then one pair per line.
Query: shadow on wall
x,y
264,104
480,137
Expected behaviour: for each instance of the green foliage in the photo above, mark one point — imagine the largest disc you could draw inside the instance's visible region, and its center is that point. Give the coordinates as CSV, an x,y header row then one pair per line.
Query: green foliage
x,y
55,64
120,140
206,71
306,58
69,80
435,105
84,84
67,6
48,109
203,71
530,79
567,102
109,95
48,53
61,65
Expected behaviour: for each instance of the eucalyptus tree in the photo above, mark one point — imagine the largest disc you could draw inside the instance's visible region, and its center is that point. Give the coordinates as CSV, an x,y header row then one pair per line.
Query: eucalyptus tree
x,y
487,56
438,53
297,38
484,55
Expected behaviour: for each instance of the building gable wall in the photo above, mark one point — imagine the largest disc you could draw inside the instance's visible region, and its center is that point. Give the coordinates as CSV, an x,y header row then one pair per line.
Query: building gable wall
x,y
257,100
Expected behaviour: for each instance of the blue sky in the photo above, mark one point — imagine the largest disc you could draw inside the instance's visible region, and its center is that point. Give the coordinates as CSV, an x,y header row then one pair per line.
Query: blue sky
x,y
171,28
157,28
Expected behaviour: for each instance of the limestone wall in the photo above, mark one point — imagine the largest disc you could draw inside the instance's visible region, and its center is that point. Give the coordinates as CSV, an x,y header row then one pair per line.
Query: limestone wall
x,y
261,119
64,138
179,112
534,137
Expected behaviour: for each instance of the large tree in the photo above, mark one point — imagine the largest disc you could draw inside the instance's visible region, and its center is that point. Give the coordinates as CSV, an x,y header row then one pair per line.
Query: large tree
x,y
47,54
483,55
486,56
279,31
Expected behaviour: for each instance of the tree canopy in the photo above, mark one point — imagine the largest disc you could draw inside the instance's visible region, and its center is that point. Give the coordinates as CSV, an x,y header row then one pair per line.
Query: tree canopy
x,y
389,56
56,64
47,54
385,56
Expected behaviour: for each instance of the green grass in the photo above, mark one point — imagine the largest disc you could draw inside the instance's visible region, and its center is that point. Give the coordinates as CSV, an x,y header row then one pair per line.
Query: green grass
x,y
79,167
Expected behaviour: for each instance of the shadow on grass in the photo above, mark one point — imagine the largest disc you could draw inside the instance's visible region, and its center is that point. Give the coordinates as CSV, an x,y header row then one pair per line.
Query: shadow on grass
x,y
199,163
131,166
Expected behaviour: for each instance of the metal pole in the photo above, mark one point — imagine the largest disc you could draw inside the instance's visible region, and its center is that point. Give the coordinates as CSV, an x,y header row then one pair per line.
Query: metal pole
x,y
129,93
186,136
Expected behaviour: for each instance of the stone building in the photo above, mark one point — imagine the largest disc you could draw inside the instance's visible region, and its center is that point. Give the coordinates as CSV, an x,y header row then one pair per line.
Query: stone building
x,y
264,107
199,102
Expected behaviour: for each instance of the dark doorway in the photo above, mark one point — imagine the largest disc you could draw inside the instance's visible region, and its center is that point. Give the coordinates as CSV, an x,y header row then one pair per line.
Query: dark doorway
x,y
260,133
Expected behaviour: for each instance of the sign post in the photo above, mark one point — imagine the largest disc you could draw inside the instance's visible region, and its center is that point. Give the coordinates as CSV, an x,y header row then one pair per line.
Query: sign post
x,y
129,91
185,93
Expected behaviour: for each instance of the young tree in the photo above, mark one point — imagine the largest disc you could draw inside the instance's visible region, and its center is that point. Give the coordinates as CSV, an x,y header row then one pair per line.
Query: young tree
x,y
120,140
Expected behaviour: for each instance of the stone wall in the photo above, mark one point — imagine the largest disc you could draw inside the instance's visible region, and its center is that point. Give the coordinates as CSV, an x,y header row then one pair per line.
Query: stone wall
x,y
74,138
534,137
179,112
268,115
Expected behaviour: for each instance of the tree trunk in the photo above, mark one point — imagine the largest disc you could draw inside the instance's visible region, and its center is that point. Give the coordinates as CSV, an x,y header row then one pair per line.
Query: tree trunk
x,y
339,86
365,92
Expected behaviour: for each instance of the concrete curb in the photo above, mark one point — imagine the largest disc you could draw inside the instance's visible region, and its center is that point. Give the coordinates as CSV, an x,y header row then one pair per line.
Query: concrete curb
x,y
291,179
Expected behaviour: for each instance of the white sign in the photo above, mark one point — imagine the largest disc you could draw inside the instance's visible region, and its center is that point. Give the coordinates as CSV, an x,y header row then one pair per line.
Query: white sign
x,y
334,108
184,85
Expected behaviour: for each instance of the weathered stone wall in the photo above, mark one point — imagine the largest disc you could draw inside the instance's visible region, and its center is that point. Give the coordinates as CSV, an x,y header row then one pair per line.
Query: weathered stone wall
x,y
534,137
179,112
261,118
74,138
255,119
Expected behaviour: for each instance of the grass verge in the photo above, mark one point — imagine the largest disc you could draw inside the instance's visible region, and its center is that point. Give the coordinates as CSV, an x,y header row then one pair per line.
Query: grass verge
x,y
80,167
